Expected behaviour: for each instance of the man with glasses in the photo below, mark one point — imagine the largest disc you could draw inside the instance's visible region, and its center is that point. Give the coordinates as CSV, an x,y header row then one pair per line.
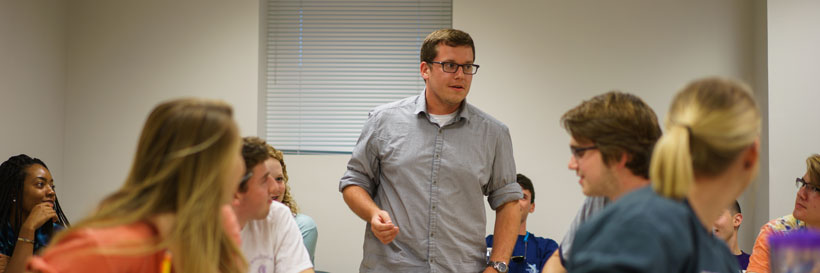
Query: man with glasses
x,y
611,140
806,214
530,252
422,166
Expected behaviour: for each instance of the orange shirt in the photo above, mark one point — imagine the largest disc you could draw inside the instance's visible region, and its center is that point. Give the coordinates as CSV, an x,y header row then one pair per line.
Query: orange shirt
x,y
83,250
759,261
80,251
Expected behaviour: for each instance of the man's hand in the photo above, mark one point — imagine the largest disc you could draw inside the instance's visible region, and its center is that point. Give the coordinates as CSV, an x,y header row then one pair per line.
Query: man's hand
x,y
362,204
383,227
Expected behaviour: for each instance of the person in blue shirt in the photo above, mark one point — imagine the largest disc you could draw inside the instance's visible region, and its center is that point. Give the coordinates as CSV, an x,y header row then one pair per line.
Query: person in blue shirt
x,y
29,211
611,140
530,252
708,155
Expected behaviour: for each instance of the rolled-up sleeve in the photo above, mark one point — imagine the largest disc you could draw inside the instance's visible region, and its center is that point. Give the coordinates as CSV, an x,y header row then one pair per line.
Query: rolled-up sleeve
x,y
362,169
502,187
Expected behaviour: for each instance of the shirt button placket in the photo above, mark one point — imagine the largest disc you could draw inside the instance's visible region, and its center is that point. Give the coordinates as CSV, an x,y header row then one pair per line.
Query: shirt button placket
x,y
434,198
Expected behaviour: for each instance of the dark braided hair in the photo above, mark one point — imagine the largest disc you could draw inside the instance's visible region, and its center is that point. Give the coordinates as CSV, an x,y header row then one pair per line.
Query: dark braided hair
x,y
12,175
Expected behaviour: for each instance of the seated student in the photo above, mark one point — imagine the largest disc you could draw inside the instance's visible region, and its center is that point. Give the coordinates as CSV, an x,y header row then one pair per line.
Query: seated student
x,y
270,237
29,211
707,157
611,140
530,252
806,214
185,170
281,193
726,227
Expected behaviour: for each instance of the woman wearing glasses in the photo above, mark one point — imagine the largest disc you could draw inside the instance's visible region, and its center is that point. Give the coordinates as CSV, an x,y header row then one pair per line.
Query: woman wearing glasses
x,y
806,214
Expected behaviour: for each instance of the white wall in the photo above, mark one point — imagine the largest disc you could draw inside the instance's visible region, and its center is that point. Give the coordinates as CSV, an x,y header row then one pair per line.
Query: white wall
x,y
755,208
124,57
794,90
32,81
314,182
541,58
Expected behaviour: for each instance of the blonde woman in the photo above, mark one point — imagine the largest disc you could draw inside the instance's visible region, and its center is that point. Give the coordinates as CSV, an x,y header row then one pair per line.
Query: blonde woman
x,y
806,214
707,156
187,166
310,233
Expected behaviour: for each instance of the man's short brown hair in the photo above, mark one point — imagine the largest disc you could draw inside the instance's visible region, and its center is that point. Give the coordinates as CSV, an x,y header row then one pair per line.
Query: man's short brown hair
x,y
254,151
617,123
448,36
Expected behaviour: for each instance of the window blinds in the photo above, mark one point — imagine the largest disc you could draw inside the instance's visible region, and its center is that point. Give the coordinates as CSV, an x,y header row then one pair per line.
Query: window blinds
x,y
330,62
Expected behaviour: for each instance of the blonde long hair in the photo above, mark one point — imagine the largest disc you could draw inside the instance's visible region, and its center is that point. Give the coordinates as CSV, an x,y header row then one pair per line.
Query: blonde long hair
x,y
710,122
181,167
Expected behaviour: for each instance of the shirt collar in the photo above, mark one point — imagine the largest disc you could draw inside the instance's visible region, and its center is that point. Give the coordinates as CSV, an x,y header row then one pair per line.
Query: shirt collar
x,y
421,106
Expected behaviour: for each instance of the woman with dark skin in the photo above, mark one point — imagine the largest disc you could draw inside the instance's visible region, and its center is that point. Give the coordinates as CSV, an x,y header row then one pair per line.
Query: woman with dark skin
x,y
29,211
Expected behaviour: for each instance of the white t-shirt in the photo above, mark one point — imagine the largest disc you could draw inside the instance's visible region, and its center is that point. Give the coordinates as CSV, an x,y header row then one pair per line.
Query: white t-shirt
x,y
444,119
274,244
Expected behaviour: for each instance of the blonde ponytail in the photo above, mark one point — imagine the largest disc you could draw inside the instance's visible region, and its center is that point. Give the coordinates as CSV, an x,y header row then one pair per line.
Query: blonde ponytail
x,y
710,122
671,167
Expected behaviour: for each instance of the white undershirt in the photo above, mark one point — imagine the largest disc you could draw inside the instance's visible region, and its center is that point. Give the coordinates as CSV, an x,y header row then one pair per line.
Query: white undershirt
x,y
443,119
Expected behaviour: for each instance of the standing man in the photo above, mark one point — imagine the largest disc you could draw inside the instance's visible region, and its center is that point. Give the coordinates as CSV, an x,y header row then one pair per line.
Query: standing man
x,y
611,139
726,227
530,252
422,166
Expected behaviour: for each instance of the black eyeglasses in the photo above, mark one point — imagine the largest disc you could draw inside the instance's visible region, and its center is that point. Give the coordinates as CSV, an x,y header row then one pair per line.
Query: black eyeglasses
x,y
578,152
246,177
800,183
451,67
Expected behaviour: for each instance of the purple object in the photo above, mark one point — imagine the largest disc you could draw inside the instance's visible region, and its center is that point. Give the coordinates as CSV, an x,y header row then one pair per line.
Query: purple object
x,y
795,251
800,239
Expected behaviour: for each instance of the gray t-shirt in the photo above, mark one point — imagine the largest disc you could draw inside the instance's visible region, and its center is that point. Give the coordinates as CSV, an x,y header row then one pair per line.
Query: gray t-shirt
x,y
592,205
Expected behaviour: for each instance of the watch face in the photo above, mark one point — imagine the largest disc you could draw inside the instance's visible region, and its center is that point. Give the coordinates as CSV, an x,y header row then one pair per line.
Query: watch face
x,y
501,267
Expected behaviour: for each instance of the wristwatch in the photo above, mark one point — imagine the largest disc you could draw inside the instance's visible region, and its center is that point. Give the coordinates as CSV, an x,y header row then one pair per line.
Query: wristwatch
x,y
501,267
